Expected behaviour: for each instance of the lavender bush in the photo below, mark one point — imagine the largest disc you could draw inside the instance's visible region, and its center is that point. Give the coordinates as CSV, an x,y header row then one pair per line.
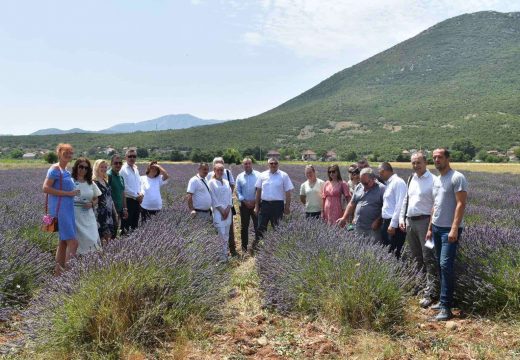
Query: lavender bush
x,y
309,267
488,271
140,290
23,268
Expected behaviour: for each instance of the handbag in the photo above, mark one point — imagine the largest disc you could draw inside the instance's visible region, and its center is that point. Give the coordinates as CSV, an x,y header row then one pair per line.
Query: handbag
x,y
50,223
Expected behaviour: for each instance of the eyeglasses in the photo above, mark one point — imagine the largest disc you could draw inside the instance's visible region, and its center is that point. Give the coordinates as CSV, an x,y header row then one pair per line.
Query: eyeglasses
x,y
118,163
273,163
131,156
82,167
332,172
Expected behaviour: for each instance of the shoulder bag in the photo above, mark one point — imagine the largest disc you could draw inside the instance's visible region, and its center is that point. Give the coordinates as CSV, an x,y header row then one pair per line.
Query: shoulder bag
x,y
50,223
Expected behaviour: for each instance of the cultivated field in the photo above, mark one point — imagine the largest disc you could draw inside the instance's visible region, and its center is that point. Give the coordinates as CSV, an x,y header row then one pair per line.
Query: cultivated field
x,y
311,292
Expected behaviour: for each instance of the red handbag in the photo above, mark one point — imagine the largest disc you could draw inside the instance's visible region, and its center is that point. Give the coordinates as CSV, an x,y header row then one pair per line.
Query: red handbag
x,y
50,223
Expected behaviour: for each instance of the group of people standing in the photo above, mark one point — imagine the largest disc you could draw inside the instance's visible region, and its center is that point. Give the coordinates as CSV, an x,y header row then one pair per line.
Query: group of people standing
x,y
93,201
426,211
264,198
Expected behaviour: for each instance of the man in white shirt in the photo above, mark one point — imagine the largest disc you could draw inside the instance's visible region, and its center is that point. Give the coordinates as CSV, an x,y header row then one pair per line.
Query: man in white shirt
x,y
134,197
414,219
273,197
229,177
198,195
393,197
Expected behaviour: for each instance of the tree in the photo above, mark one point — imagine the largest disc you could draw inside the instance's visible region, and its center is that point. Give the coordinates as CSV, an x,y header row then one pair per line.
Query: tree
x,y
466,147
350,156
142,153
176,155
50,157
16,154
232,156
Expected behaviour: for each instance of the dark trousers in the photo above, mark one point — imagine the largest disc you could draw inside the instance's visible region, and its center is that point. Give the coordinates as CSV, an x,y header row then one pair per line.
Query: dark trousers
x,y
132,222
394,242
117,223
246,215
313,215
231,238
147,214
446,253
270,212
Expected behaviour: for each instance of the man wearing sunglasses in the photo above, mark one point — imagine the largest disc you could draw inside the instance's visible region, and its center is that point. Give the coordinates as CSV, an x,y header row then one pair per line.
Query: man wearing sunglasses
x,y
133,195
117,185
273,197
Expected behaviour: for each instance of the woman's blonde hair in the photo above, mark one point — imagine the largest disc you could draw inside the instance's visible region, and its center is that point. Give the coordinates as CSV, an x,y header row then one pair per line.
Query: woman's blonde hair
x,y
63,147
217,165
95,171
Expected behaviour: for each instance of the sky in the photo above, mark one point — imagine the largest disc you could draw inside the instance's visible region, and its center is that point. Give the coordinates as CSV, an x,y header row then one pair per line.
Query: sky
x,y
93,64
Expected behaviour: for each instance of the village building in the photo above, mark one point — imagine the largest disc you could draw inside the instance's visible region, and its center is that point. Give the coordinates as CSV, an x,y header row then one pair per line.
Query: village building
x,y
309,155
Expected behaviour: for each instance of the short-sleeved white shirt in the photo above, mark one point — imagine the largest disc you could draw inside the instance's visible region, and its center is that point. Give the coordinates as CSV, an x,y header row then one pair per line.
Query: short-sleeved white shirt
x,y
132,180
151,188
312,193
228,175
201,196
274,185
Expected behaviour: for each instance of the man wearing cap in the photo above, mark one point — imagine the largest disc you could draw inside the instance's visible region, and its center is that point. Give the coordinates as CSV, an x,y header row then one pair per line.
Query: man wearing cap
x,y
273,197
198,194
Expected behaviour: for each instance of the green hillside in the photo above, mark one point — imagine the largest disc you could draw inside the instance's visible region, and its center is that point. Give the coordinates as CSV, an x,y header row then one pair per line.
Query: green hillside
x,y
460,79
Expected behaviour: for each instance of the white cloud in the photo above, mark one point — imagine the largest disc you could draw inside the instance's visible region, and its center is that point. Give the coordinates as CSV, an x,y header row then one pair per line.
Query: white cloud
x,y
330,28
253,38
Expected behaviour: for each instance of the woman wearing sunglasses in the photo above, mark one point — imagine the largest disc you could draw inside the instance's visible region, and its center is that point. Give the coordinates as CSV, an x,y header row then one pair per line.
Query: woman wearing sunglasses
x,y
333,190
84,203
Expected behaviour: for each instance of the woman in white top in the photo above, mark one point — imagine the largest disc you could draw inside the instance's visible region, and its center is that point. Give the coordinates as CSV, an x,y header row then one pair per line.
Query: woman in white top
x,y
84,204
151,184
221,204
310,193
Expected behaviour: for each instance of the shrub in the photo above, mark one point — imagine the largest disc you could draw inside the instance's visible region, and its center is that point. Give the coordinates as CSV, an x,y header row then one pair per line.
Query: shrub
x,y
488,271
309,267
23,268
50,157
141,290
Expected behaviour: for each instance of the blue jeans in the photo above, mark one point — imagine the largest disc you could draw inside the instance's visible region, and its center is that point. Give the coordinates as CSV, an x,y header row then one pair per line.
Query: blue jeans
x,y
445,253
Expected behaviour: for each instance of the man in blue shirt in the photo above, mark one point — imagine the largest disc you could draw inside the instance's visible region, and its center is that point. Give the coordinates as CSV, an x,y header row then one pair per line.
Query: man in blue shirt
x,y
246,192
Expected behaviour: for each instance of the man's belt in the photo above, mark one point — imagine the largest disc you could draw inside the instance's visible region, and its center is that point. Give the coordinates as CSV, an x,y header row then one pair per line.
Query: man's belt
x,y
272,201
202,211
419,217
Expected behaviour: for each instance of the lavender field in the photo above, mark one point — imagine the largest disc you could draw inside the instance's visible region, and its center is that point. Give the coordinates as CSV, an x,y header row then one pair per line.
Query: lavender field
x,y
151,287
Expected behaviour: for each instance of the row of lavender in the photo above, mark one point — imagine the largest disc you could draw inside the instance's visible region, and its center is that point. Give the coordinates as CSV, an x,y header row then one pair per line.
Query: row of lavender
x,y
305,266
139,291
311,268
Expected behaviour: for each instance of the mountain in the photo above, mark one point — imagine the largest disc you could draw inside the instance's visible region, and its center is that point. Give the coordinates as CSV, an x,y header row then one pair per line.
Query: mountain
x,y
54,131
167,122
459,79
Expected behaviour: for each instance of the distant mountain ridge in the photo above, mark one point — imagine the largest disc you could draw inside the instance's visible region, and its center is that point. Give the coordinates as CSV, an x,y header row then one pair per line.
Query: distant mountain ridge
x,y
167,122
